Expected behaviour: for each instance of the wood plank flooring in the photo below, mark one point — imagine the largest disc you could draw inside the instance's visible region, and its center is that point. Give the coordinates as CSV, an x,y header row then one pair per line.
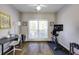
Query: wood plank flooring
x,y
34,48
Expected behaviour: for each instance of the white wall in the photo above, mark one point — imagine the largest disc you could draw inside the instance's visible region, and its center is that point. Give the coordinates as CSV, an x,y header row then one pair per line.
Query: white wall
x,y
14,19
33,16
69,17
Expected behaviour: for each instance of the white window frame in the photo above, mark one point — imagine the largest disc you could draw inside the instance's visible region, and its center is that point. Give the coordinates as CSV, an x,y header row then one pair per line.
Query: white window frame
x,y
38,29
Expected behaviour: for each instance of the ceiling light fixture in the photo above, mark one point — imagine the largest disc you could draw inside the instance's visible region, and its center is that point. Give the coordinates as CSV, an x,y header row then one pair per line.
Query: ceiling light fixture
x,y
19,23
38,8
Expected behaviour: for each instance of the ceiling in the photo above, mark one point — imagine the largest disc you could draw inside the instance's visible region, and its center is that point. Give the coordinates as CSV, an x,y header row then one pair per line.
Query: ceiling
x,y
49,7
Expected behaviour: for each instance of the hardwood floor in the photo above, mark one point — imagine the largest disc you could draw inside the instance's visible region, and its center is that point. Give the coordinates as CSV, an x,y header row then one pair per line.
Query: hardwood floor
x,y
34,48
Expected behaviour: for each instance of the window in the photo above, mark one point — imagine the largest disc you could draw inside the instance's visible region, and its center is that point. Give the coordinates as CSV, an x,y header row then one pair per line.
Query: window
x,y
38,29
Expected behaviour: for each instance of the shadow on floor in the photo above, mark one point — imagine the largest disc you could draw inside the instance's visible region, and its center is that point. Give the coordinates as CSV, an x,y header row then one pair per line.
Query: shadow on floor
x,y
59,51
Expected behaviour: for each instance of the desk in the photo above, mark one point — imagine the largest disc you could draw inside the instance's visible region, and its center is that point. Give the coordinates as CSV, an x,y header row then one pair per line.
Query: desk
x,y
5,40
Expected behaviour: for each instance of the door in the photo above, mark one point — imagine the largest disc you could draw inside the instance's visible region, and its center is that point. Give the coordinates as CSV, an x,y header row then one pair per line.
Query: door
x,y
38,30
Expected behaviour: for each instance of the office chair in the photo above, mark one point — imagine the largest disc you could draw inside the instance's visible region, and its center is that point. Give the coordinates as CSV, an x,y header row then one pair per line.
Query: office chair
x,y
14,43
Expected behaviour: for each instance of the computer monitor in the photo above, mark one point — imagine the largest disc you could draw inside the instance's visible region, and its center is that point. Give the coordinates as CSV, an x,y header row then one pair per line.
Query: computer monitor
x,y
58,27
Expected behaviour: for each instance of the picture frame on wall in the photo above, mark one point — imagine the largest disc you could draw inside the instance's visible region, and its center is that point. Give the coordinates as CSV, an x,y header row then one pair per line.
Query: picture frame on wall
x,y
5,21
24,23
51,23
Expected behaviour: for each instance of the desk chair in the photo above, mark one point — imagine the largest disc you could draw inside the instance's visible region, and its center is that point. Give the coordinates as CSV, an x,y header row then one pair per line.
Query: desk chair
x,y
14,43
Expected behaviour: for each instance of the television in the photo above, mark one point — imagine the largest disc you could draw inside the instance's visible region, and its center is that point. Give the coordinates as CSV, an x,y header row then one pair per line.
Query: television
x,y
58,27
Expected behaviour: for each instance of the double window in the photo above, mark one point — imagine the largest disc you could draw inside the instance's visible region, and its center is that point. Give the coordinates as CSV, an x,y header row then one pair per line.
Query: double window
x,y
38,29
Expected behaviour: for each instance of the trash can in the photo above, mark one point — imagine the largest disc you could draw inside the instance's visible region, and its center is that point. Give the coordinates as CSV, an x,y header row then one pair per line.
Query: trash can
x,y
23,37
